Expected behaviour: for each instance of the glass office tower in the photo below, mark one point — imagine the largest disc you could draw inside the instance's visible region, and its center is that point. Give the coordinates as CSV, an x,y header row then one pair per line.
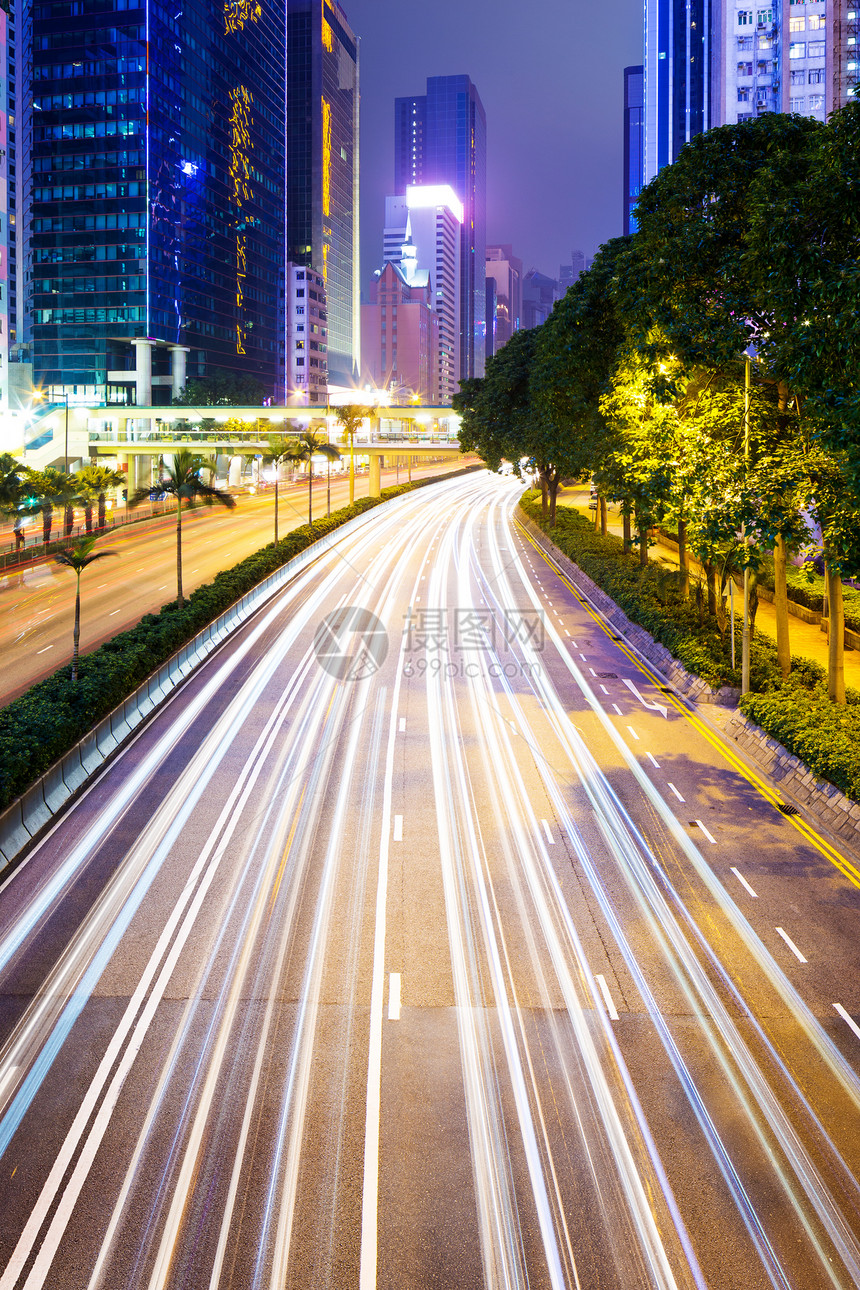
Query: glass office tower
x,y
158,192
441,138
634,104
322,168
677,78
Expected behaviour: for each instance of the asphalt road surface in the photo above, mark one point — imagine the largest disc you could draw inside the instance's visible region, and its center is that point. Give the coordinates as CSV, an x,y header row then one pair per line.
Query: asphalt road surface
x,y
421,940
37,603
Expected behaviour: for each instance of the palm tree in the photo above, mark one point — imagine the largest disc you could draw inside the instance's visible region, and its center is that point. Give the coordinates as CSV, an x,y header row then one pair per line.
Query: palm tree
x,y
67,496
182,481
43,491
11,488
282,450
77,557
93,482
310,444
350,417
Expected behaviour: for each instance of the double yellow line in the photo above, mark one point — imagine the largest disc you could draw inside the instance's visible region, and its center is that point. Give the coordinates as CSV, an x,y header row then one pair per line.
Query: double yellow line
x,y
766,790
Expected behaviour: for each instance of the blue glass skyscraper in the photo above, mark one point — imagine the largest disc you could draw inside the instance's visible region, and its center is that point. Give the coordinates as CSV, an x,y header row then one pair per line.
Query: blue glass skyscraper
x,y
441,138
157,209
634,106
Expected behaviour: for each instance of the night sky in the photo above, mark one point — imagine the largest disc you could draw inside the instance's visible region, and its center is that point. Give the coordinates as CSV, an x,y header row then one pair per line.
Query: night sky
x,y
550,75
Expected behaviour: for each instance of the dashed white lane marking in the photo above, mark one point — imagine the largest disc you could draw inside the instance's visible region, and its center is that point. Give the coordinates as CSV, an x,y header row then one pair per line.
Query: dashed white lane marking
x,y
113,613
653,759
633,733
550,839
101,586
604,689
45,650
675,791
567,634
849,1020
618,710
742,880
707,834
791,945
592,671
582,656
402,724
164,588
394,996
607,997
398,828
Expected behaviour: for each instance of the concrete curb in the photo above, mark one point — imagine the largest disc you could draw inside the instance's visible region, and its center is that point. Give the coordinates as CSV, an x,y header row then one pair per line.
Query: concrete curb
x,y
27,818
822,801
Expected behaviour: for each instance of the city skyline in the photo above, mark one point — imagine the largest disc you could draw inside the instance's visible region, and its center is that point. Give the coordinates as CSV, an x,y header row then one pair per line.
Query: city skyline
x,y
565,148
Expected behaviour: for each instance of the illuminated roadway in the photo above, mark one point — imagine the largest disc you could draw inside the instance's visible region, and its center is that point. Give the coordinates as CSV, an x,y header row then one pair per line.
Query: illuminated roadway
x,y
480,968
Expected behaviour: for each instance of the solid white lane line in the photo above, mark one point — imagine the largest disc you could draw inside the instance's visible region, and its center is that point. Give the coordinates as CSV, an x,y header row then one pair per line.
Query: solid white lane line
x,y
7,1079
849,1020
607,997
633,733
742,880
394,996
653,759
707,834
402,724
791,945
550,839
675,791
398,828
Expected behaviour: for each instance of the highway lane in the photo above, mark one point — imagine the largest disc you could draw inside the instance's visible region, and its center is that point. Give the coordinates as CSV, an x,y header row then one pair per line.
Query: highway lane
x,y
461,969
37,603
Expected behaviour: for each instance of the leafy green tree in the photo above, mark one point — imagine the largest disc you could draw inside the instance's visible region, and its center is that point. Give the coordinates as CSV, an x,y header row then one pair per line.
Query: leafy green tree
x,y
77,558
44,491
350,417
181,480
11,489
93,483
223,389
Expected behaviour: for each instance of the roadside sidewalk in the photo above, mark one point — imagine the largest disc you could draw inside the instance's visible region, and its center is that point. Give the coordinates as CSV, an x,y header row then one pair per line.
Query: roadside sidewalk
x,y
806,638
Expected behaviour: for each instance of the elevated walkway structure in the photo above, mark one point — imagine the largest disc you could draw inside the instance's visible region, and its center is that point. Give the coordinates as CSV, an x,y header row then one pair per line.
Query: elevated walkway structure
x,y
133,439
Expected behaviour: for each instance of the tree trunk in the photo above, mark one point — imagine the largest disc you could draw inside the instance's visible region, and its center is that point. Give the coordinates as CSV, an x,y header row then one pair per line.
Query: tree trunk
x,y
642,531
835,637
76,635
601,501
88,517
102,511
553,497
179,551
683,561
47,522
544,500
627,538
780,604
68,521
711,576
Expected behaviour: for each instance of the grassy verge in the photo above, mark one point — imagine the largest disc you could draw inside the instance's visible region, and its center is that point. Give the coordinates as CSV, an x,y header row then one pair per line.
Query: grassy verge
x,y
42,725
797,712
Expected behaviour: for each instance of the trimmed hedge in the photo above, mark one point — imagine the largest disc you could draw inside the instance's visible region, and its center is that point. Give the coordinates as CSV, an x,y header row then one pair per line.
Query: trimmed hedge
x,y
41,725
796,712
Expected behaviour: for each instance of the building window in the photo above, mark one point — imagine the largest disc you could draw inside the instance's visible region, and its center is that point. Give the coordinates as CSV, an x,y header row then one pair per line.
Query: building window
x,y
744,69
797,105
816,102
743,96
816,22
745,18
764,17
798,77
797,49
797,24
815,49
816,76
745,42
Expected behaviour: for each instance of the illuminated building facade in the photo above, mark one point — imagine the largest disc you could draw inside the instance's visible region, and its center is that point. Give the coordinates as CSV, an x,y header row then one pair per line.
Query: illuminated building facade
x,y
323,168
7,205
400,335
307,336
506,270
156,229
440,138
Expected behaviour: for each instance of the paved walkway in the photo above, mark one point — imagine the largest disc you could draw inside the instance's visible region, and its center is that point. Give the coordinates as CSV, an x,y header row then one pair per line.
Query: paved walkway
x,y
806,638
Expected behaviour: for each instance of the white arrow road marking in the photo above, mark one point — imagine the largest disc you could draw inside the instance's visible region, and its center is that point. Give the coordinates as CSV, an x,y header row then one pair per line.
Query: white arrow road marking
x,y
655,707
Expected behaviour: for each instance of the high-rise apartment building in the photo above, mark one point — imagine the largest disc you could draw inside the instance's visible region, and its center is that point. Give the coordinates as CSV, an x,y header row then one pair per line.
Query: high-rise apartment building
x,y
307,336
716,62
154,139
7,210
539,296
506,269
634,104
323,167
400,335
440,138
